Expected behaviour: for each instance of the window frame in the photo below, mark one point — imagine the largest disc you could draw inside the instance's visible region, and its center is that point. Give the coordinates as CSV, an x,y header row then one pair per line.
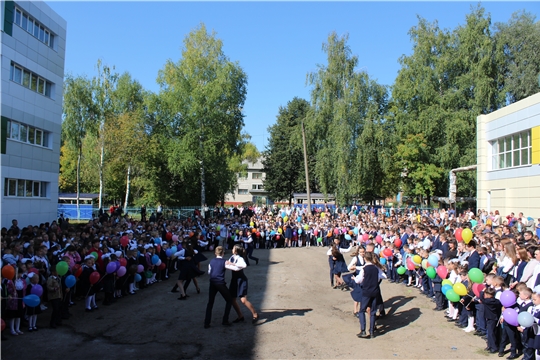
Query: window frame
x,y
19,188
505,151
33,27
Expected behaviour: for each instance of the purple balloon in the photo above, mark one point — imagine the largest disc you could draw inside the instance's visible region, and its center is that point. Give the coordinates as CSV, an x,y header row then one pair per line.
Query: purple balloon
x,y
121,271
111,267
140,268
37,290
508,298
117,265
511,316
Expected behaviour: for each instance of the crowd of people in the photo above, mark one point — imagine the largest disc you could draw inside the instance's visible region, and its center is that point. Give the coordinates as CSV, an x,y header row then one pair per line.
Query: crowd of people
x,y
117,255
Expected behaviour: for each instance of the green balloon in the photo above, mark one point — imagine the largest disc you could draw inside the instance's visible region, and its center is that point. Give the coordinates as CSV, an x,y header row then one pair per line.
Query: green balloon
x,y
476,275
452,295
148,274
431,272
94,254
319,239
401,270
62,268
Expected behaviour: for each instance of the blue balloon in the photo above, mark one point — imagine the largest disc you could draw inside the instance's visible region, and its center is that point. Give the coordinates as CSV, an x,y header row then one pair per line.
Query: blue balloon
x,y
157,241
347,237
155,259
433,260
138,277
355,230
299,219
31,300
299,231
168,252
174,249
377,251
70,281
445,288
383,261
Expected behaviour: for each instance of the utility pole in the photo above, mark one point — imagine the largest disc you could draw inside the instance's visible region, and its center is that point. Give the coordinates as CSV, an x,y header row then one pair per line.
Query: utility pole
x,y
307,171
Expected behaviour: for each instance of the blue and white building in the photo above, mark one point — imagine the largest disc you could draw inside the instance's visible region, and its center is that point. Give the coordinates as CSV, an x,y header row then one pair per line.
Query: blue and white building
x,y
32,56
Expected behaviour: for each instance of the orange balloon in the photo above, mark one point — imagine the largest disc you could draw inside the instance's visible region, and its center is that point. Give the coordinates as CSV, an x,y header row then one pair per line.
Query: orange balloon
x,y
253,231
8,272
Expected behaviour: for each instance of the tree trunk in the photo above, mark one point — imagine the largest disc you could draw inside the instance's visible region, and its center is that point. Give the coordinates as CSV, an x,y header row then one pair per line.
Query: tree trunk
x,y
128,184
102,156
79,182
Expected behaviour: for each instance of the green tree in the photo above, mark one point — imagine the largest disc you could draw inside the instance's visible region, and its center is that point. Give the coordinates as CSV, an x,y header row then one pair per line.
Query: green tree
x,y
519,43
78,120
205,92
284,158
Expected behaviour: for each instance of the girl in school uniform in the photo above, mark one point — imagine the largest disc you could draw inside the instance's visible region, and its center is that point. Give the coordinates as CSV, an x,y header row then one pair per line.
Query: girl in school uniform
x,y
15,305
239,282
32,312
356,264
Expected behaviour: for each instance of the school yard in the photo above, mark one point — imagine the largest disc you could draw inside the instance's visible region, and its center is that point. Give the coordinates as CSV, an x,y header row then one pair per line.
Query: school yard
x,y
301,317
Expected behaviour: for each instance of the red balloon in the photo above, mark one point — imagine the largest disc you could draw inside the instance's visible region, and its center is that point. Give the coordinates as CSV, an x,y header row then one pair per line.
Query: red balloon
x,y
478,288
410,264
258,234
162,266
387,252
457,234
158,249
122,261
378,238
397,243
442,271
365,236
124,241
94,277
168,236
8,272
277,237
336,231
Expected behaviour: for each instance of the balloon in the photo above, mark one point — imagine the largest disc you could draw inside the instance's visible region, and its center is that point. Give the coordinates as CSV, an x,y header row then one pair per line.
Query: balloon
x,y
377,251
460,289
445,288
336,231
211,248
122,261
378,238
31,300
401,270
397,243
431,272
508,298
34,270
410,264
79,270
278,237
442,271
251,223
148,274
155,259
158,263
294,233
306,227
458,234
452,296
70,281
387,252
218,228
138,277
476,275
510,315
111,267
323,215
174,249
319,239
525,319
94,254
121,271
140,268
8,272
446,281
37,290
168,236
168,252
351,233
417,260
94,277
383,261
425,264
279,230
299,231
433,260
467,235
3,324
285,218
477,289
157,241
62,268
365,236
355,230
348,237
299,219
124,241
162,266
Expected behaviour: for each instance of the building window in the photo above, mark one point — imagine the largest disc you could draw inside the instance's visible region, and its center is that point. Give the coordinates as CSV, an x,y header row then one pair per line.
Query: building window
x,y
30,25
257,187
30,80
511,151
24,188
256,176
242,176
27,134
242,191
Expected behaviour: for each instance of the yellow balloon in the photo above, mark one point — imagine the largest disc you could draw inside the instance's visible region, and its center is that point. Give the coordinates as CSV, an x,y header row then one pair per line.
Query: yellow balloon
x,y
417,259
279,230
467,235
323,215
460,289
285,218
252,224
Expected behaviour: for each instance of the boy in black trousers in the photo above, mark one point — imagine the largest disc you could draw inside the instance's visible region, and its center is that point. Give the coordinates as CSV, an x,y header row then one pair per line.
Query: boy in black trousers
x,y
492,312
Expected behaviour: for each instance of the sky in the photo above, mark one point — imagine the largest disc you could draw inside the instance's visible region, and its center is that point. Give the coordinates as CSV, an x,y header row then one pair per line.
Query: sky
x,y
276,43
